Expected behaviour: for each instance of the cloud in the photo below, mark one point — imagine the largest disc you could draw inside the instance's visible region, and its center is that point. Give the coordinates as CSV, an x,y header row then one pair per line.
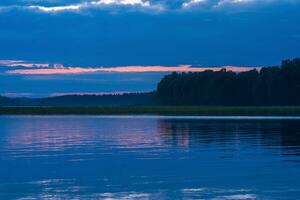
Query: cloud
x,y
60,69
57,8
10,62
158,5
75,7
31,68
239,1
192,3
92,4
22,63
225,3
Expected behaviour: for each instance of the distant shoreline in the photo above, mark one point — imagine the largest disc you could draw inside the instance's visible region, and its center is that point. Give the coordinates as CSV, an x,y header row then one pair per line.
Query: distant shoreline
x,y
156,110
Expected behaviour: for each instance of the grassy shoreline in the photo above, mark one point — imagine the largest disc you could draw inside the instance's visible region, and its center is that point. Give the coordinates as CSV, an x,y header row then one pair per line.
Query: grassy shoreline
x,y
156,110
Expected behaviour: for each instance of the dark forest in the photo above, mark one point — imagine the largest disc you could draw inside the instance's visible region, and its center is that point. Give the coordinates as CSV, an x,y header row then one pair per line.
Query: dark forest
x,y
278,85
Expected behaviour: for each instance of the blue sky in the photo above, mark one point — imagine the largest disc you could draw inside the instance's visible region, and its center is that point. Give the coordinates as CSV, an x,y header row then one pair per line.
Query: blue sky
x,y
88,34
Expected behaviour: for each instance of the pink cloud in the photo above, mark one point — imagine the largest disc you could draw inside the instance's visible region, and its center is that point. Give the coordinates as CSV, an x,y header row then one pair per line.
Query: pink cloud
x,y
125,69
22,63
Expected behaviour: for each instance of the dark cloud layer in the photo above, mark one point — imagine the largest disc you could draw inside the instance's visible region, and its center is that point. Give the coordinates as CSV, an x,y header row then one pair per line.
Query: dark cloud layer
x,y
206,38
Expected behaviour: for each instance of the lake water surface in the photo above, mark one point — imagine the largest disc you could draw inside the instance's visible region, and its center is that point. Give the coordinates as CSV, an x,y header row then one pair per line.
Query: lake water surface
x,y
148,157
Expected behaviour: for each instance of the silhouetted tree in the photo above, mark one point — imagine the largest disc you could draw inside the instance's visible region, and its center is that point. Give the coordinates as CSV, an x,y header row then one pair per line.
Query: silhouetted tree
x,y
269,86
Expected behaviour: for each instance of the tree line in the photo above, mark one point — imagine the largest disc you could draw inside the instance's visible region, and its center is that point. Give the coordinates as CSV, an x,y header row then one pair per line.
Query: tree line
x,y
127,99
277,85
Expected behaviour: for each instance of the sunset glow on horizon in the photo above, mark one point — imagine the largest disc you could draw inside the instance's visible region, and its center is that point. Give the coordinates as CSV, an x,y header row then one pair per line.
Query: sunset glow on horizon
x,y
126,69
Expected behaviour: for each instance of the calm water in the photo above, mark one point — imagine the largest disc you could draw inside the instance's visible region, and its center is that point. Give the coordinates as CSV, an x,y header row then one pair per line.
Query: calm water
x,y
89,157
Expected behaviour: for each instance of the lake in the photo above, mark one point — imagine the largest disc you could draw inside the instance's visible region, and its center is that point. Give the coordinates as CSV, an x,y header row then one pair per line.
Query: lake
x,y
149,157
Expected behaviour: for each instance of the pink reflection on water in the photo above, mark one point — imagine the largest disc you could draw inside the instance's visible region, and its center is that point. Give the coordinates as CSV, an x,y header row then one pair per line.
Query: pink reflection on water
x,y
57,135
138,134
34,135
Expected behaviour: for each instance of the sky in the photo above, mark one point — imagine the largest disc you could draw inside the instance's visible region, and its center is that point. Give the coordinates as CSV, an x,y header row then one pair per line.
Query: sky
x,y
54,47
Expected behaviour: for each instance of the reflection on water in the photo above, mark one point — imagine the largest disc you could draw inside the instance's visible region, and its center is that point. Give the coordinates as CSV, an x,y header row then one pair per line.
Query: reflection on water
x,y
89,157
284,135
